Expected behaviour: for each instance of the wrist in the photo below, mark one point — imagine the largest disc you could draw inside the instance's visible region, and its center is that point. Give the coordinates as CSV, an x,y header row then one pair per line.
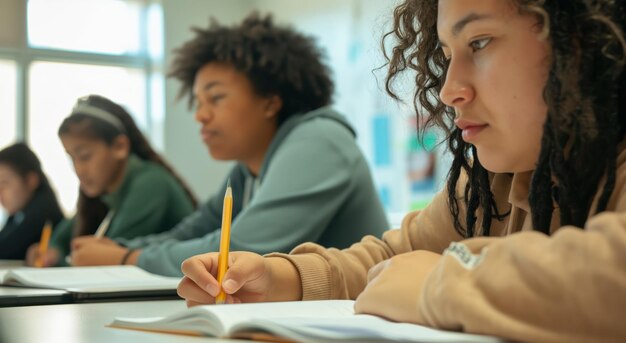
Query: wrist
x,y
130,257
285,280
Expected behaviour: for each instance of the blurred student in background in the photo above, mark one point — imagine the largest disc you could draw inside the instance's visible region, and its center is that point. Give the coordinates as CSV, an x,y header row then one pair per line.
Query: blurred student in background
x,y
121,179
261,94
27,197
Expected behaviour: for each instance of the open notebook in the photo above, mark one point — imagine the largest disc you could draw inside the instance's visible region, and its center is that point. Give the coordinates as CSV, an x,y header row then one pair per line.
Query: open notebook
x,y
306,321
93,282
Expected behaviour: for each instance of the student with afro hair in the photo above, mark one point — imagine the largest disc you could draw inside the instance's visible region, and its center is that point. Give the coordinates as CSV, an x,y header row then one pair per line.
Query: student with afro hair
x,y
261,95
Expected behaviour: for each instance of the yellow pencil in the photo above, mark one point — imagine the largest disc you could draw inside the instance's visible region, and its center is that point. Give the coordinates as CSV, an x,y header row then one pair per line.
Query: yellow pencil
x,y
43,244
222,260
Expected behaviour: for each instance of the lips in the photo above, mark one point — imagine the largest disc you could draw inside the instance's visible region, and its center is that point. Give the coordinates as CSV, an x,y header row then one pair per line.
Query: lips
x,y
470,129
207,135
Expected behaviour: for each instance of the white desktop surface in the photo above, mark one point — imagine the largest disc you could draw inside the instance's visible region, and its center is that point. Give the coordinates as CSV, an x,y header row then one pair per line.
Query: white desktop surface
x,y
77,323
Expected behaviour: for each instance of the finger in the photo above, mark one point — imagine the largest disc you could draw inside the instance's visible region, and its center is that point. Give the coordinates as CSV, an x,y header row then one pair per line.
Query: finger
x,y
31,254
199,269
80,241
375,270
50,260
75,257
190,291
193,303
243,268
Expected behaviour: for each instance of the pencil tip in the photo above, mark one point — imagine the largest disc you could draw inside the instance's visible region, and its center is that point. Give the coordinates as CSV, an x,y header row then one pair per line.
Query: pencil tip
x,y
228,184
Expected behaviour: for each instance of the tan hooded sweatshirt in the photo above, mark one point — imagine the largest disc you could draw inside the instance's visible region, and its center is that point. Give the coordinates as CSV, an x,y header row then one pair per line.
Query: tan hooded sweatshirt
x,y
569,287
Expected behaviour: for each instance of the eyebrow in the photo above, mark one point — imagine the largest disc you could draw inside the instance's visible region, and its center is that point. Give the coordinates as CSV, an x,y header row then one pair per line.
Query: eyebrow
x,y
461,24
210,85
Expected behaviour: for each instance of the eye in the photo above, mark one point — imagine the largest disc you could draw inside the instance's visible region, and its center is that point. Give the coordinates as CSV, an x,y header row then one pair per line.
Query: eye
x,y
216,98
83,157
479,44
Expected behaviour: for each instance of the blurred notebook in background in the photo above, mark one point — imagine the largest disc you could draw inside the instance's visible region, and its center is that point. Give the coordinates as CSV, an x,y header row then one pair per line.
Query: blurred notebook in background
x,y
94,282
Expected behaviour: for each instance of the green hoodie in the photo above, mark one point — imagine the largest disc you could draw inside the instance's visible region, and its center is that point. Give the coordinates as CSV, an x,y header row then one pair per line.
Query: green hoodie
x,y
314,186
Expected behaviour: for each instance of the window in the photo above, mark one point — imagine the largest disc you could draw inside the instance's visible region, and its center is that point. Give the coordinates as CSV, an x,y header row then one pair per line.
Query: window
x,y
60,50
101,26
8,111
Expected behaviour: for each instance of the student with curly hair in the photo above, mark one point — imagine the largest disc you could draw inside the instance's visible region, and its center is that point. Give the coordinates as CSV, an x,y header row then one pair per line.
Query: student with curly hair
x,y
528,240
261,94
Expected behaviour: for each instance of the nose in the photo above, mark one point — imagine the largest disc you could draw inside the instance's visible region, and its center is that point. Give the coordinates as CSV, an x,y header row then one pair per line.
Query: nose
x,y
203,114
457,90
80,169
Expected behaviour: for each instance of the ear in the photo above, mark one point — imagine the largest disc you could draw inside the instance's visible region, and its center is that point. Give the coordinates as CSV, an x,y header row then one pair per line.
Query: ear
x,y
273,106
121,147
32,181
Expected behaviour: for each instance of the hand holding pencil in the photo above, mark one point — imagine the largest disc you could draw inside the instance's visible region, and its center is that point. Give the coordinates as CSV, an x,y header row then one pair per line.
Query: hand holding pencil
x,y
249,277
43,244
41,254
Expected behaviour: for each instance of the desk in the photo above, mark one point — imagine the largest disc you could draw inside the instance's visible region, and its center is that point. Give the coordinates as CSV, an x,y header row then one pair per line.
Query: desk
x,y
19,296
86,323
10,264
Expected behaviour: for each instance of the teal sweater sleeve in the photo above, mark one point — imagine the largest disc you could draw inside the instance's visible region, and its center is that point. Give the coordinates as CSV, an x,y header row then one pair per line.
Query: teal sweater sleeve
x,y
308,180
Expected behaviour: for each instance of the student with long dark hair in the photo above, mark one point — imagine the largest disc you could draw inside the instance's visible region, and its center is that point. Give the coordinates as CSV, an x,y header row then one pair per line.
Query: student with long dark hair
x,y
262,96
28,198
120,176
528,240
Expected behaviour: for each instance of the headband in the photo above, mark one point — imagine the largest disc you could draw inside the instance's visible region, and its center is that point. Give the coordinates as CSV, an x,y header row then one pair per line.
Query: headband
x,y
82,108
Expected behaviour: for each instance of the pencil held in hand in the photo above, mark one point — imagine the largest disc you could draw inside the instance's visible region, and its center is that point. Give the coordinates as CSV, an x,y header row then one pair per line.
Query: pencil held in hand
x,y
43,244
222,261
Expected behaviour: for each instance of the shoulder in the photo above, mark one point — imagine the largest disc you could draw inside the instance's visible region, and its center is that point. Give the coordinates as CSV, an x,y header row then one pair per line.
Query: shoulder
x,y
321,134
321,127
151,175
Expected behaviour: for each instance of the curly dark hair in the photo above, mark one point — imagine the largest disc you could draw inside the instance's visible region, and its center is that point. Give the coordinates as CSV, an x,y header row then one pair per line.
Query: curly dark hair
x,y
276,59
585,94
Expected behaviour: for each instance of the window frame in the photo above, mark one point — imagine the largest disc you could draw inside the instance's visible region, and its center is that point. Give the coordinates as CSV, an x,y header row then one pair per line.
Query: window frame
x,y
24,55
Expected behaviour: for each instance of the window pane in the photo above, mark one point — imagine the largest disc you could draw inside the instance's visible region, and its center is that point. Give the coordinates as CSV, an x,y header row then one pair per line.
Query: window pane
x,y
54,87
102,26
8,96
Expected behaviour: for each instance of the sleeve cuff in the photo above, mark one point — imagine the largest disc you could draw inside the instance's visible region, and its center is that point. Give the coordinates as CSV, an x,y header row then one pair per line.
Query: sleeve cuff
x,y
315,275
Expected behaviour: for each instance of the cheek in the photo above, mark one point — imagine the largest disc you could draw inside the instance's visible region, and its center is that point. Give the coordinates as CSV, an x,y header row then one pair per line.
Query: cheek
x,y
238,129
14,198
99,169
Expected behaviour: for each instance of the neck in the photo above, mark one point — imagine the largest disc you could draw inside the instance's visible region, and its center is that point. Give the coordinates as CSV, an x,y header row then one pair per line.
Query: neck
x,y
255,160
254,163
118,177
